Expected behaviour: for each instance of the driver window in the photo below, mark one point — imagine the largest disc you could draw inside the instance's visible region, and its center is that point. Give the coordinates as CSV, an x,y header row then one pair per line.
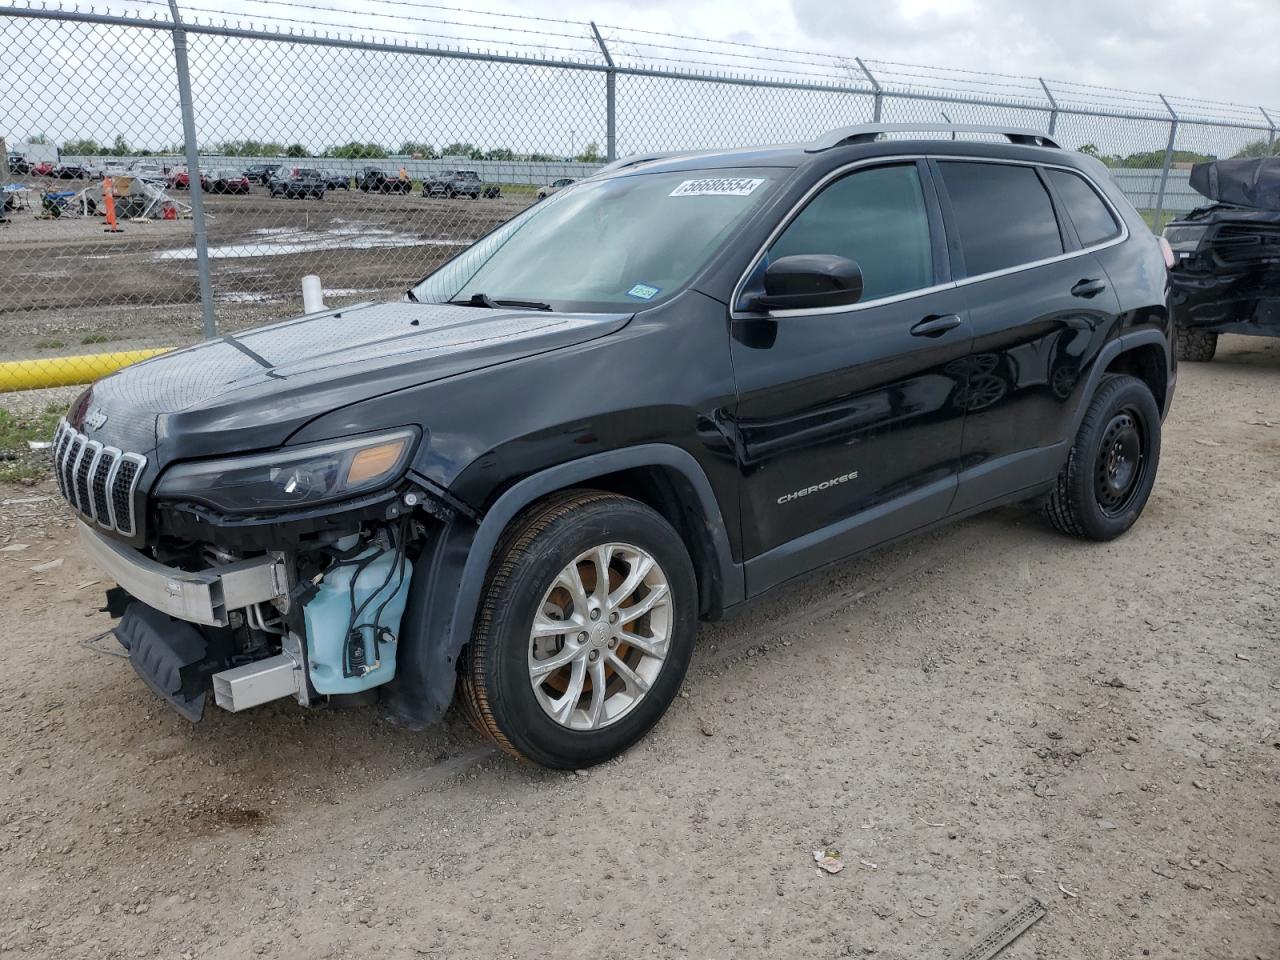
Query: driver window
x,y
876,217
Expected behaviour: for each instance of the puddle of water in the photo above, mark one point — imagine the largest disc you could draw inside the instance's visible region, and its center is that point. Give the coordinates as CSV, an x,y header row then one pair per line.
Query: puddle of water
x,y
279,241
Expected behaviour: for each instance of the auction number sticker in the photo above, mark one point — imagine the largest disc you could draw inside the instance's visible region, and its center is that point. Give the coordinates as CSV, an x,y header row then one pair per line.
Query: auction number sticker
x,y
717,187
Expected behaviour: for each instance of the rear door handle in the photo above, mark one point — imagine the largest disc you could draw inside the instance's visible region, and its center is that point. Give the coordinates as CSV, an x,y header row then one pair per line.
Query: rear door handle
x,y
936,326
1088,288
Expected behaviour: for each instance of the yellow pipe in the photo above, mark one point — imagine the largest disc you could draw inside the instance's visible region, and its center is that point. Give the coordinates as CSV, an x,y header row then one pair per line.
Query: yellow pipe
x,y
37,374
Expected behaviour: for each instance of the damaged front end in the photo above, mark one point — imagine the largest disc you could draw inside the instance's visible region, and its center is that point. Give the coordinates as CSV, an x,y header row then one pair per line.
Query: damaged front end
x,y
260,577
1226,274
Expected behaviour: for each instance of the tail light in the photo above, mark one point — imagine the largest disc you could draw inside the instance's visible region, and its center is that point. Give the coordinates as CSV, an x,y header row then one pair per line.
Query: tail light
x,y
1169,258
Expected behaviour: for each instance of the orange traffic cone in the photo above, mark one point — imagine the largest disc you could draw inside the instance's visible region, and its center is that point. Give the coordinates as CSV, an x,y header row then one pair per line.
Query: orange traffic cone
x,y
109,204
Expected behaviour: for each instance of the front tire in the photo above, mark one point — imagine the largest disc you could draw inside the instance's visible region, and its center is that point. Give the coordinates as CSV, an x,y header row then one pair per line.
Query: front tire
x,y
1197,346
567,667
1109,473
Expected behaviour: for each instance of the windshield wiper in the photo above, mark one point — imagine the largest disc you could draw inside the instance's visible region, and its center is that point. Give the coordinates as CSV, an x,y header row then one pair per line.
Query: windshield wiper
x,y
484,300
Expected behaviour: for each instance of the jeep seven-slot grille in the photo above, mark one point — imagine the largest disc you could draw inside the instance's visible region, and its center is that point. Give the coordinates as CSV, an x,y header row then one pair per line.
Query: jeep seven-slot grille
x,y
98,481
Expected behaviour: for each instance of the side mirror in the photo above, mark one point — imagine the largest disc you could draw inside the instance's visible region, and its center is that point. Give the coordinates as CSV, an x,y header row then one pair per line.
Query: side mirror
x,y
808,281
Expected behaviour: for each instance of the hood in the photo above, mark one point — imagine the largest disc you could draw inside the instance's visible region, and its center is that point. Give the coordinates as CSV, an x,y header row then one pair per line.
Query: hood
x,y
1243,183
252,390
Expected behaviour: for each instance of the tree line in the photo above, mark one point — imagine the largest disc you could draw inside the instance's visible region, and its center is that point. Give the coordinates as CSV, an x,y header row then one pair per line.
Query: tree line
x,y
353,150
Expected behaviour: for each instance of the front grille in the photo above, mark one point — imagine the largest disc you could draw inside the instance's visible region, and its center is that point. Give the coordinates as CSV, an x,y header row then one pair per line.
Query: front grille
x,y
1248,243
99,481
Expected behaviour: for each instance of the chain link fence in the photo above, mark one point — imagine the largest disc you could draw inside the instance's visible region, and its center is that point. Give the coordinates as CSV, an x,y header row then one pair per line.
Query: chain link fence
x,y
242,157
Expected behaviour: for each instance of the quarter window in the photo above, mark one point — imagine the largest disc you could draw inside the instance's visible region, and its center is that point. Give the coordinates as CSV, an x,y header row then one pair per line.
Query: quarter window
x,y
876,217
1003,215
1093,221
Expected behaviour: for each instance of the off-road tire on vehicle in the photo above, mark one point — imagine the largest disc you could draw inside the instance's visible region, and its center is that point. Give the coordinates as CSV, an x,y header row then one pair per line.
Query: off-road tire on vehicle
x,y
496,687
1198,346
1109,473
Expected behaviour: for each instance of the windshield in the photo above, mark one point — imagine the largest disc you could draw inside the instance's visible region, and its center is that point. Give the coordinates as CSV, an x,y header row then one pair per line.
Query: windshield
x,y
626,240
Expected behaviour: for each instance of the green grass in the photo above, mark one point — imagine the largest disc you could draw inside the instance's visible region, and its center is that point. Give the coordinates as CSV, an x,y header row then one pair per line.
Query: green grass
x,y
1165,218
50,344
17,461
96,338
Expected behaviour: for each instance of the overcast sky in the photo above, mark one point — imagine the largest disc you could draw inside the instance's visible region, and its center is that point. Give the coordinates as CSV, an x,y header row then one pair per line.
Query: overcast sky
x,y
1188,49
1223,50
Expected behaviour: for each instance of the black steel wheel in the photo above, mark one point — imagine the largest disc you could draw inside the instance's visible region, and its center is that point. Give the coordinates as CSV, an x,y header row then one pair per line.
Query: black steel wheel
x,y
1111,468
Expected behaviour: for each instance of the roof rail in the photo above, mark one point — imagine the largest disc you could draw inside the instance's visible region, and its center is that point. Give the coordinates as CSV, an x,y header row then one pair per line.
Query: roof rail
x,y
634,160
870,132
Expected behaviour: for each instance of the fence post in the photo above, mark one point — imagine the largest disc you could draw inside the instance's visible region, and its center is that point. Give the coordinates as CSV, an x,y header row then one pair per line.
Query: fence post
x,y
610,99
193,170
1053,106
1168,161
1271,139
875,85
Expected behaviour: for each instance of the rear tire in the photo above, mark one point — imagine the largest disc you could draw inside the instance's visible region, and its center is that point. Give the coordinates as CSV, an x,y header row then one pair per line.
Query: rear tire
x,y
1107,479
1197,346
575,698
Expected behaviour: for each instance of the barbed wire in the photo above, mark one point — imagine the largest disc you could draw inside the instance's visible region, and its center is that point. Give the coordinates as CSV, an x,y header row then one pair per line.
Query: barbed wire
x,y
636,47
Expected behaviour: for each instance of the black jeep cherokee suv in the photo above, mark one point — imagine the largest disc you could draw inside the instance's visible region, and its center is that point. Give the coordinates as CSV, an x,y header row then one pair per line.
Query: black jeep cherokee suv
x,y
639,403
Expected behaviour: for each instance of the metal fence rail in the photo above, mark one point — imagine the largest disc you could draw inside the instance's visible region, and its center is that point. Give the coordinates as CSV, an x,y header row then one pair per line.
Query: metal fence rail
x,y
171,97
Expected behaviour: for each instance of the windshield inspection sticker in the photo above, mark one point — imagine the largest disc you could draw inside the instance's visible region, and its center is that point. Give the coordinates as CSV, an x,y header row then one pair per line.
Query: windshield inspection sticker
x,y
644,291
719,187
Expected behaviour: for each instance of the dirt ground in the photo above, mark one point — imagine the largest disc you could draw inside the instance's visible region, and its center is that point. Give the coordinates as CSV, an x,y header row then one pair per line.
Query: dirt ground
x,y
69,287
973,717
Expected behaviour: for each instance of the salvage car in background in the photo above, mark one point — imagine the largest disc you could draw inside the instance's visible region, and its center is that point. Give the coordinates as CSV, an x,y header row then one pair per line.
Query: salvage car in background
x,y
224,181
374,180
297,184
459,183
1226,278
178,179
336,180
261,172
555,186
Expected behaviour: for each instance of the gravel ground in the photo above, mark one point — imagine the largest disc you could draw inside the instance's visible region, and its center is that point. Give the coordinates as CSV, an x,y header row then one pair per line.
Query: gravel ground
x,y
68,287
973,717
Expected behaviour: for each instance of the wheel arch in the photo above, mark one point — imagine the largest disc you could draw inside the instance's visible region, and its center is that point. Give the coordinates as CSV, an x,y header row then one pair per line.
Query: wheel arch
x,y
449,578
1143,354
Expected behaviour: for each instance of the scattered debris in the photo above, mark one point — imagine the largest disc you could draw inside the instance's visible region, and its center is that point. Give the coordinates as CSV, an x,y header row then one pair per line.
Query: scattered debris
x,y
707,728
868,863
106,644
47,565
1073,896
1262,423
39,444
14,547
1241,656
1007,929
828,860
1208,443
1106,825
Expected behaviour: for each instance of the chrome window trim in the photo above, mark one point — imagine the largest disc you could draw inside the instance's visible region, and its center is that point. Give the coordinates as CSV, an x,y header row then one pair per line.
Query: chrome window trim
x,y
736,314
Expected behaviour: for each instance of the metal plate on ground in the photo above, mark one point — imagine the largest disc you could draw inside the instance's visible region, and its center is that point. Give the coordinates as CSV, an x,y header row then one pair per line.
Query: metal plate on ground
x,y
1007,929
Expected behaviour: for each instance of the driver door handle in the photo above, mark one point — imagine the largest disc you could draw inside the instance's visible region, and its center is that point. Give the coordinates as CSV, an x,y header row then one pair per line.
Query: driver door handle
x,y
1088,288
935,326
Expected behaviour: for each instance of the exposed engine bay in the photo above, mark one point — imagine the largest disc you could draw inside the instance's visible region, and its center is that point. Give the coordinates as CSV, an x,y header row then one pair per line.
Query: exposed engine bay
x,y
333,630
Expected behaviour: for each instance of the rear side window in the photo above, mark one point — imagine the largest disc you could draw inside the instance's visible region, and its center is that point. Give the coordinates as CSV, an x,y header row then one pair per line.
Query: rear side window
x,y
1093,221
1003,214
876,217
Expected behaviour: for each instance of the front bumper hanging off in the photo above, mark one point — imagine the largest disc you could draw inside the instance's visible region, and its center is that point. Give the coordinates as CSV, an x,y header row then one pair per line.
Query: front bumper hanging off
x,y
203,596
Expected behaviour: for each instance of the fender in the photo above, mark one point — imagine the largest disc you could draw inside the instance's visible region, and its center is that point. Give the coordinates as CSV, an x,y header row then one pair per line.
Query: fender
x,y
449,578
1109,351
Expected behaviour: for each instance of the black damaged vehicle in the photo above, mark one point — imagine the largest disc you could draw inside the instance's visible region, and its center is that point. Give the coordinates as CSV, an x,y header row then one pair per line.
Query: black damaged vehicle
x,y
1227,275
640,403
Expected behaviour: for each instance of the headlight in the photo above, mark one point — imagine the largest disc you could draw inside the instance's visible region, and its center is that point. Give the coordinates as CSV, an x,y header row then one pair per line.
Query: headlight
x,y
1184,240
292,476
